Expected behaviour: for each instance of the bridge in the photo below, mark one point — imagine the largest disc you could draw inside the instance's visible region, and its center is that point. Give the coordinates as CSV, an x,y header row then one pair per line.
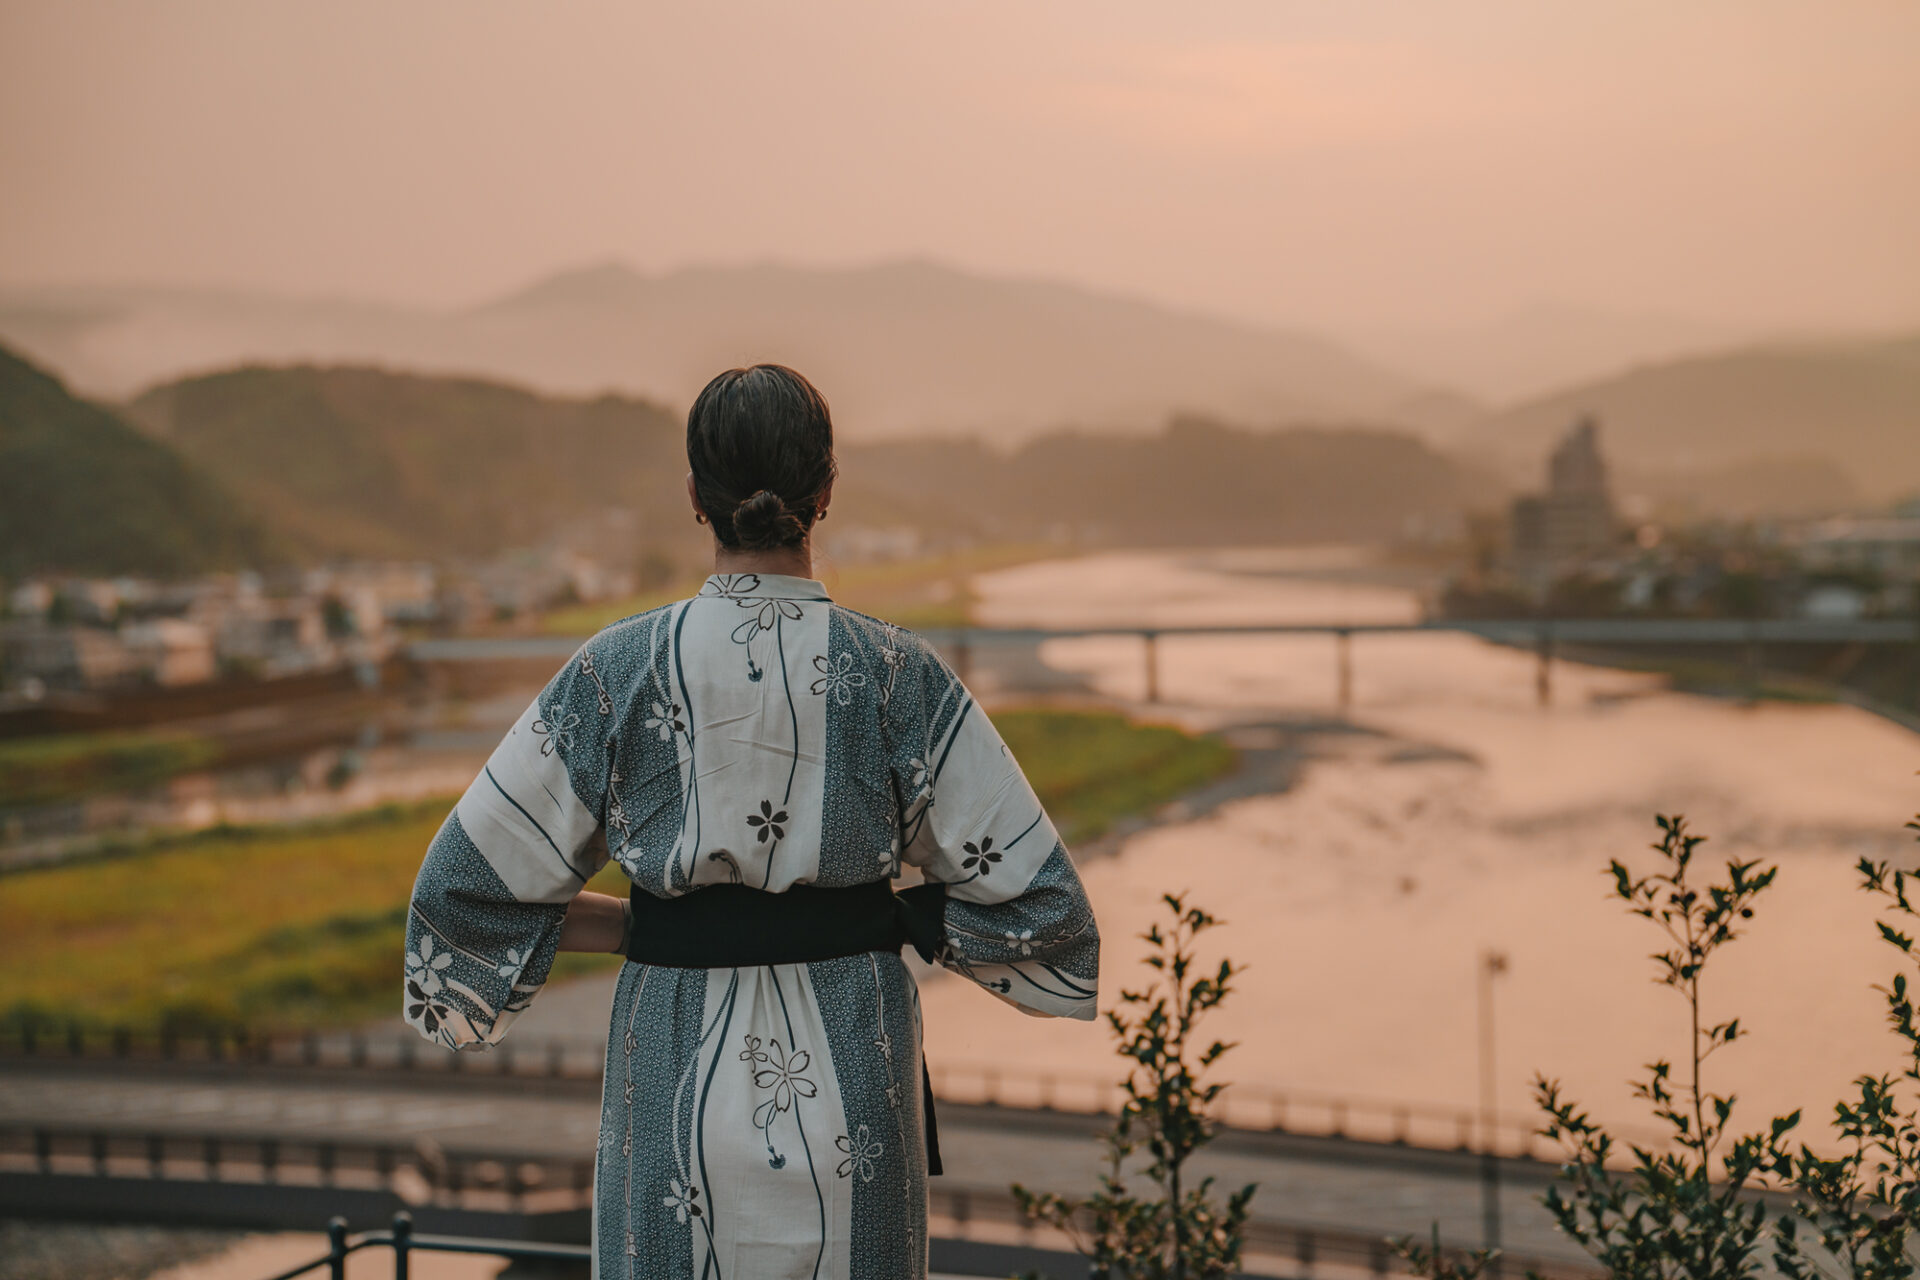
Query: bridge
x,y
290,1131
1543,636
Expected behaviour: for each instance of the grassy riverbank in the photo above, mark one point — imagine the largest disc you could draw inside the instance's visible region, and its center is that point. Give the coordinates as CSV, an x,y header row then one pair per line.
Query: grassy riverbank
x,y
61,766
301,927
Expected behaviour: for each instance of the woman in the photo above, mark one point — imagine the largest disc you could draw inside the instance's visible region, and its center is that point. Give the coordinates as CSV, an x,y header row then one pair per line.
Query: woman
x,y
762,763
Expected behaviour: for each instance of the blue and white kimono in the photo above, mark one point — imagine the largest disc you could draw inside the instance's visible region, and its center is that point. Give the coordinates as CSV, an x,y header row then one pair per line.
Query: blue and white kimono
x,y
757,1122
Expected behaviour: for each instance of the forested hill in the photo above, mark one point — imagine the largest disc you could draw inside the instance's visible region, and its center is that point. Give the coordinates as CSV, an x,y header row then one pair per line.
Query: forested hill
x,y
1195,483
366,462
81,491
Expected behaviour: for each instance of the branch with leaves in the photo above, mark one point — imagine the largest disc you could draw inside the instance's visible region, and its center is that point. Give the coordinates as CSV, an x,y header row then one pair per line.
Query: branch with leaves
x,y
1181,1232
1863,1205
1687,1213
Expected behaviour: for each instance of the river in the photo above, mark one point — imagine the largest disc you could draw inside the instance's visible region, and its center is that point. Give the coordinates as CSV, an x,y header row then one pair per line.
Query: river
x,y
1446,814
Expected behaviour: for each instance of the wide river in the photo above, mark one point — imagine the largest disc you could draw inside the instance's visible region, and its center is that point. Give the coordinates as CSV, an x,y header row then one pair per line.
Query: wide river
x,y
1449,814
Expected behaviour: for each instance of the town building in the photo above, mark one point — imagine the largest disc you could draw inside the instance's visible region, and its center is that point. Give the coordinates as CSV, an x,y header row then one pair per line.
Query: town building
x,y
1555,533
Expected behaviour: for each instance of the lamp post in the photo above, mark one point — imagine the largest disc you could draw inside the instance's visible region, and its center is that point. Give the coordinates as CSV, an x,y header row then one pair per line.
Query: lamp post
x,y
1492,965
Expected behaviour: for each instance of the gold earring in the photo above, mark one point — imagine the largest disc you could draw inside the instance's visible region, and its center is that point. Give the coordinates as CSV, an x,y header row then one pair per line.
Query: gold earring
x,y
699,517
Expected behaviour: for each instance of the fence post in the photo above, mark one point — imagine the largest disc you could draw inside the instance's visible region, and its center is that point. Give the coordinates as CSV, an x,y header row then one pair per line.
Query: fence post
x,y
963,656
156,1155
337,1248
1152,643
402,1243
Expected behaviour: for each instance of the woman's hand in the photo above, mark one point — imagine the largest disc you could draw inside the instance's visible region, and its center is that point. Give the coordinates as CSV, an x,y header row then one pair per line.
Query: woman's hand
x,y
595,922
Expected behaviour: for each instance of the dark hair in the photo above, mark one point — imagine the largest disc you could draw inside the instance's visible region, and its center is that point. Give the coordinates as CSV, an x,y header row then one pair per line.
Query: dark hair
x,y
760,445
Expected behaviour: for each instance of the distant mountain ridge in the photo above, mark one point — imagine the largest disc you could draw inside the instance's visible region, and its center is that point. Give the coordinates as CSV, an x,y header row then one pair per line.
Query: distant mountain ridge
x,y
81,491
1855,403
900,348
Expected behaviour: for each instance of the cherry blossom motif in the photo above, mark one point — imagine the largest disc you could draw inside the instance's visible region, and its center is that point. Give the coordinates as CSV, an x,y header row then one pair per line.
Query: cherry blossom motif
x,y
981,857
730,584
666,720
766,616
560,734
425,1009
425,966
837,678
922,777
1021,942
862,1149
768,824
890,857
513,964
785,1076
683,1199
753,1052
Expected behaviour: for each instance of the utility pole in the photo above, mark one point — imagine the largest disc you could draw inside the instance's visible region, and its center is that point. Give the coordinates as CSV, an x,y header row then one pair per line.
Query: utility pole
x,y
1492,965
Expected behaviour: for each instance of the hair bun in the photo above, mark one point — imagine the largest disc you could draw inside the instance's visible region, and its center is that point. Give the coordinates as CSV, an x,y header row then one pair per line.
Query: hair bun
x,y
763,520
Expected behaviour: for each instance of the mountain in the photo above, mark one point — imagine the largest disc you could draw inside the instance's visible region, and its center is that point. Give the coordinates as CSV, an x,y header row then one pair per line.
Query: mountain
x,y
81,491
359,461
901,349
1543,348
1855,403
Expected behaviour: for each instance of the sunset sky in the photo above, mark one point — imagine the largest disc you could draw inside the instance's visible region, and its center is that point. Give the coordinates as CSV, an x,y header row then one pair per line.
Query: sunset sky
x,y
1350,162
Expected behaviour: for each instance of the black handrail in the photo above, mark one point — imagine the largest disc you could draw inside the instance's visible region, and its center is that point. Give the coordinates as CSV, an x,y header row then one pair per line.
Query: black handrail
x,y
401,1239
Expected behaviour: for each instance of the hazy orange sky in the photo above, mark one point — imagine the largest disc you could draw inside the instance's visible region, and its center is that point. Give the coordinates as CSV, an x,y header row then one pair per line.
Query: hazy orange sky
x,y
1346,162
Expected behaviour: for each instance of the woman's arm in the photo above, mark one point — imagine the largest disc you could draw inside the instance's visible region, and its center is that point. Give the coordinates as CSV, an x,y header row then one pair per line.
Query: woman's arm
x,y
594,922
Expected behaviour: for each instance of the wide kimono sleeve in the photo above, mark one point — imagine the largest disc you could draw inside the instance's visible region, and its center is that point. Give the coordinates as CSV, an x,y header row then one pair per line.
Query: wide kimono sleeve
x,y
1017,918
484,921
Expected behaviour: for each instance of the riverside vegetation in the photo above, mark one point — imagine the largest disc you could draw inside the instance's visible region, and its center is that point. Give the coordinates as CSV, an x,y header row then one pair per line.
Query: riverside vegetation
x,y
1180,1232
297,927
1712,1203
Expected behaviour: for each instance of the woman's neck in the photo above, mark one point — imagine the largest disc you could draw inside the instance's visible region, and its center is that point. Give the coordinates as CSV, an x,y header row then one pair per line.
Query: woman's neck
x,y
791,562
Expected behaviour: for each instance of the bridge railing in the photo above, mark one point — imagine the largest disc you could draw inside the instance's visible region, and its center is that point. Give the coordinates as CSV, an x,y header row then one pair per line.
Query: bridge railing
x,y
1247,1106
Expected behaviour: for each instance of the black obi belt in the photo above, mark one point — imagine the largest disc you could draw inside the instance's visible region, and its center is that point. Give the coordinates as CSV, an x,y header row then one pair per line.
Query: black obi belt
x,y
731,926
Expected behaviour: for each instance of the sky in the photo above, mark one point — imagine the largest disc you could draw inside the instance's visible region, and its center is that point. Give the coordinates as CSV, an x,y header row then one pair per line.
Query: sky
x,y
1437,163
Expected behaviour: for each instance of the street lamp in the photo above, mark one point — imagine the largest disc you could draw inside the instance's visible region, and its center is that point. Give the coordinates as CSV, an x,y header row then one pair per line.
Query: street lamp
x,y
1492,965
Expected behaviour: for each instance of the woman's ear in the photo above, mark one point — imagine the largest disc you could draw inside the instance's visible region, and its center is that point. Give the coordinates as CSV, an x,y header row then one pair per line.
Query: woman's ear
x,y
820,505
693,496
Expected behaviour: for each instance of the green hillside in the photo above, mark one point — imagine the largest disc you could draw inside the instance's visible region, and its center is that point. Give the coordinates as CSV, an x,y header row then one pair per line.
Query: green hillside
x,y
358,461
361,461
1195,483
1856,403
81,491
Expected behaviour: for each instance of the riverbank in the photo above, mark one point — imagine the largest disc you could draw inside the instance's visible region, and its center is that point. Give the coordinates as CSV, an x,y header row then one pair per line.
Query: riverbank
x,y
297,927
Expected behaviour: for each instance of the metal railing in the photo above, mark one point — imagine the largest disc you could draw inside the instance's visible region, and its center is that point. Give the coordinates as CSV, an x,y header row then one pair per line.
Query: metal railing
x,y
401,1238
1244,1106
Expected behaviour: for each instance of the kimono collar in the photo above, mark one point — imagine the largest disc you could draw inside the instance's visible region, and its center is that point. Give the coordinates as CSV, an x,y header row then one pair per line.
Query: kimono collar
x,y
763,586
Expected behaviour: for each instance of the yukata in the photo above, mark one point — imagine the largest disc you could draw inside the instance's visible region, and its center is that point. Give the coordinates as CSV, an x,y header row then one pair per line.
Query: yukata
x,y
767,1121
